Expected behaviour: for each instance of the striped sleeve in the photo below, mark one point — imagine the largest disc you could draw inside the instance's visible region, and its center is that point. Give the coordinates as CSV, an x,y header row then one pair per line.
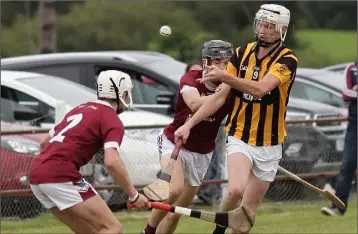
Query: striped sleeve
x,y
233,65
285,68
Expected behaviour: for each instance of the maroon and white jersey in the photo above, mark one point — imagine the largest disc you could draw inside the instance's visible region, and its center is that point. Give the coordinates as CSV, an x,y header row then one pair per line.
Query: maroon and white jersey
x,y
202,136
82,133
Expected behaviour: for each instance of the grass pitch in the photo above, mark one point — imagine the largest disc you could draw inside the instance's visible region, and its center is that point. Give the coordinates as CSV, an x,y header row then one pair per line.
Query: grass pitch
x,y
279,217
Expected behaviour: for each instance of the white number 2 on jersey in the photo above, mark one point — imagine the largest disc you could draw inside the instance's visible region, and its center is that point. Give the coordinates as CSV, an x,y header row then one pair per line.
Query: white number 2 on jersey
x,y
74,120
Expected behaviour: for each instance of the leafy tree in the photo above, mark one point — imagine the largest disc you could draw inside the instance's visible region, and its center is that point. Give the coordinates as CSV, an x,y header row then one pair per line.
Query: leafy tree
x,y
238,18
10,9
129,25
20,39
113,26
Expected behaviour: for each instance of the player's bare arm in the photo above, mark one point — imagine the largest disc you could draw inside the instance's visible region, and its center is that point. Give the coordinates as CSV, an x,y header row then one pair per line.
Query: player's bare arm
x,y
212,105
254,88
193,99
44,141
120,174
118,171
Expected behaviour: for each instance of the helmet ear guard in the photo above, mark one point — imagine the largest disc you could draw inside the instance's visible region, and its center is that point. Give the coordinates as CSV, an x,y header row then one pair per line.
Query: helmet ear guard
x,y
128,96
117,95
120,97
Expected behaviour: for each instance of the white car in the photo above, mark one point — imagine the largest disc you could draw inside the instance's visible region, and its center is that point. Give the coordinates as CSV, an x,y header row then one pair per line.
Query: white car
x,y
43,100
340,68
321,86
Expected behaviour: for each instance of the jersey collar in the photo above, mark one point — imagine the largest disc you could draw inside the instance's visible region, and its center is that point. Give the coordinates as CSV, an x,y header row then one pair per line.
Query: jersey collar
x,y
102,102
271,53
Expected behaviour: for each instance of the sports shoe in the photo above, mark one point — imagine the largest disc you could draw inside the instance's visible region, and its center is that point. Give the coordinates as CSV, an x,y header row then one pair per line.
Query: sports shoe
x,y
331,211
148,230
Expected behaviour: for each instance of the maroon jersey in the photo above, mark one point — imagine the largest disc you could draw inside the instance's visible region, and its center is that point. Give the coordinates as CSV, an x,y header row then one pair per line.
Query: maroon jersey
x,y
202,136
83,132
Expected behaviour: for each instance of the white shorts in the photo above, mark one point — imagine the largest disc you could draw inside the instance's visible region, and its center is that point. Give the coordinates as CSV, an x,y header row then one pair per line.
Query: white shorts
x,y
264,159
63,195
195,164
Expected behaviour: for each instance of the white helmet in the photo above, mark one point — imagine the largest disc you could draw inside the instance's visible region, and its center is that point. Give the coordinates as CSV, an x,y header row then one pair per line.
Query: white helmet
x,y
113,84
274,14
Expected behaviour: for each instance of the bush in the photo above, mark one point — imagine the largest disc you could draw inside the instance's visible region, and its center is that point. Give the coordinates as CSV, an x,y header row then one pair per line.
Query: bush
x,y
313,58
97,26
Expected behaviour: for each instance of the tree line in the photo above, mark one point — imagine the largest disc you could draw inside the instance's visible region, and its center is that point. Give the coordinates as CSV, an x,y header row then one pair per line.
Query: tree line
x,y
125,25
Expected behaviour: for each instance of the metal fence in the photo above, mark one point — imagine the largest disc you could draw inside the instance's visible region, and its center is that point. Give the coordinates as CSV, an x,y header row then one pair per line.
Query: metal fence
x,y
312,150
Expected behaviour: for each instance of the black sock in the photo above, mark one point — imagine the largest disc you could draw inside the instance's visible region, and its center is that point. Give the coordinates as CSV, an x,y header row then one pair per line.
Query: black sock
x,y
149,229
219,230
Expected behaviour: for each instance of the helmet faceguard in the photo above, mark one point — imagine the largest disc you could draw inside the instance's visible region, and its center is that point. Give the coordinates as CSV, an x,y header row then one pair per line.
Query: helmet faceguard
x,y
271,21
215,49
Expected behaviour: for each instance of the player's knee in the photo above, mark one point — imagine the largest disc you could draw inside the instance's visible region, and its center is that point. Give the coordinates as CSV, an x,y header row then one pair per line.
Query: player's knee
x,y
236,193
174,194
116,229
119,229
173,218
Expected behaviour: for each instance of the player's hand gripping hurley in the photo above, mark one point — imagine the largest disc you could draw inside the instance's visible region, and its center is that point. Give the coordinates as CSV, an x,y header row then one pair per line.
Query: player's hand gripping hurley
x,y
159,189
324,193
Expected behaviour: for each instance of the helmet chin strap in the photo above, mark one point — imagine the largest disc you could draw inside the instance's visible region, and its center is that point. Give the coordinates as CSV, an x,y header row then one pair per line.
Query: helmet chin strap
x,y
266,44
119,110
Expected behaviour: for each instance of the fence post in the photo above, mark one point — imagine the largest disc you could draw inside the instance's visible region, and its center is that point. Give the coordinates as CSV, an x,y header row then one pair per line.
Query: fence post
x,y
60,111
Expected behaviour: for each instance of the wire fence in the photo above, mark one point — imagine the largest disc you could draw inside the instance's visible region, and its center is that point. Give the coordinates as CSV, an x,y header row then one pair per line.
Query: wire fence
x,y
313,150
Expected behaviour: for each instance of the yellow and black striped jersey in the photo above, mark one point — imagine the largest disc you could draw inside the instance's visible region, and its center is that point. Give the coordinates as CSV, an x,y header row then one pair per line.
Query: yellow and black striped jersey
x,y
260,121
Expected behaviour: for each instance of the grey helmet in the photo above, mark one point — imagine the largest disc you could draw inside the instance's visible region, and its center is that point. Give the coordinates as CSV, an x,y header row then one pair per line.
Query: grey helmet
x,y
217,49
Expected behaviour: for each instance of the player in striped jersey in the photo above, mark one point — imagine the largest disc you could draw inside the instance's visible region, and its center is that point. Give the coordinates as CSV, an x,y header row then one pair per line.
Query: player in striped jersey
x,y
259,78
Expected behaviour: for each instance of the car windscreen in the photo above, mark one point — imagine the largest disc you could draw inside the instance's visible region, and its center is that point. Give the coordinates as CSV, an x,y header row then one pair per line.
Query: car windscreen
x,y
168,67
332,79
70,92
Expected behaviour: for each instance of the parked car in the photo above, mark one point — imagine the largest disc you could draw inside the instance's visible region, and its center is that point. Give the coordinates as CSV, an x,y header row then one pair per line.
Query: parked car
x,y
17,153
33,99
321,86
154,74
150,69
340,68
157,77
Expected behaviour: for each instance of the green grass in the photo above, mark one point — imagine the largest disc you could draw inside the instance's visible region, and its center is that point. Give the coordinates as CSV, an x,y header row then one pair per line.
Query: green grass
x,y
330,46
285,217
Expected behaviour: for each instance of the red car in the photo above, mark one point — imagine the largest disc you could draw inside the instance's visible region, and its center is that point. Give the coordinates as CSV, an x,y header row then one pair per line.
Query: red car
x,y
17,153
